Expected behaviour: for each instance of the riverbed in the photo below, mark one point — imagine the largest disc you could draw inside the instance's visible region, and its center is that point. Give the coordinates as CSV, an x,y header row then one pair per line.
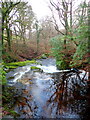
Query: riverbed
x,y
49,92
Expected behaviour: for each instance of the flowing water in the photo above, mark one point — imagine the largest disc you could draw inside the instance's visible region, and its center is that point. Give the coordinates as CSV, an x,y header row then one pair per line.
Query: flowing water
x,y
50,93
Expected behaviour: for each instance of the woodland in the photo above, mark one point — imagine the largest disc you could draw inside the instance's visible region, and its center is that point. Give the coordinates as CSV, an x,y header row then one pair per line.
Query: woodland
x,y
64,36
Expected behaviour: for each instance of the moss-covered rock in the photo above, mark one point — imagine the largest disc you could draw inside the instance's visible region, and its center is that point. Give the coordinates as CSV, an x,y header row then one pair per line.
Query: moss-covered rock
x,y
11,67
14,65
36,69
21,63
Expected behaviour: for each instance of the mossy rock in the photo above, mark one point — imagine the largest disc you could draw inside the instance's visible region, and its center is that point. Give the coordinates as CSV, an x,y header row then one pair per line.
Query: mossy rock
x,y
11,67
21,63
14,65
36,69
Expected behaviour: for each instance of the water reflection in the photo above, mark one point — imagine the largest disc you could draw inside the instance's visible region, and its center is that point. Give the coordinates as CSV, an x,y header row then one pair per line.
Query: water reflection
x,y
68,99
53,95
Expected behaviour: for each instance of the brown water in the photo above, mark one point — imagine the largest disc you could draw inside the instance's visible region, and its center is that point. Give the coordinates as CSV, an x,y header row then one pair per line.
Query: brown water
x,y
50,94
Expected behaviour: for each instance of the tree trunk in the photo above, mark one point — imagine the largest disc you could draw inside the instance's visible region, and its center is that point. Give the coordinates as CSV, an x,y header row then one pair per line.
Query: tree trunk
x,y
65,7
2,30
89,27
0,39
89,37
29,34
71,17
8,35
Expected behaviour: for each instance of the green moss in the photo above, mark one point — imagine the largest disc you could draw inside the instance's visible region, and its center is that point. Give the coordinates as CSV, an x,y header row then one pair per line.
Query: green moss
x,y
21,63
11,67
34,67
3,80
14,65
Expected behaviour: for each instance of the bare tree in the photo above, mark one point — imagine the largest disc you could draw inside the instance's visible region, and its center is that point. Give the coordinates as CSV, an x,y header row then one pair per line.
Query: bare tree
x,y
64,17
38,32
47,32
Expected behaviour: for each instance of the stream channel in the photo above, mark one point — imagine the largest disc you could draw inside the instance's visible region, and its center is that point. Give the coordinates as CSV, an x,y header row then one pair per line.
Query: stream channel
x,y
50,93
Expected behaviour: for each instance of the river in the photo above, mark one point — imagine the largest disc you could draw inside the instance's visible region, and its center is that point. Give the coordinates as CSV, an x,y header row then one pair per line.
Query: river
x,y
50,93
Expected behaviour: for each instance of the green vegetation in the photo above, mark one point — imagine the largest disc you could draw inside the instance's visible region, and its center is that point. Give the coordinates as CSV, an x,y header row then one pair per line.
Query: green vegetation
x,y
3,80
8,101
23,63
68,58
36,69
61,64
9,57
71,49
59,52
